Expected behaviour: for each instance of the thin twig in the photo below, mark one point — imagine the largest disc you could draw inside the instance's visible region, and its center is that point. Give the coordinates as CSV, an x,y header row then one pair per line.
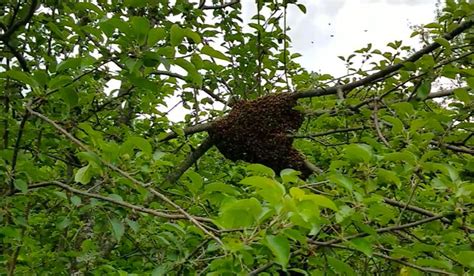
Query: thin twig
x,y
422,212
420,268
377,126
382,230
329,132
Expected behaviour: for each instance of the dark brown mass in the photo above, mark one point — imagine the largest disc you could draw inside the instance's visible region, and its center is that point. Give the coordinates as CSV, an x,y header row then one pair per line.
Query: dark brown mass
x,y
257,131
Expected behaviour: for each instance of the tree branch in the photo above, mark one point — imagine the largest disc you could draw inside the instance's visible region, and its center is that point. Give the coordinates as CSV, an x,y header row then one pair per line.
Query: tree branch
x,y
189,130
383,73
318,134
420,268
121,203
421,211
382,230
125,174
190,160
5,36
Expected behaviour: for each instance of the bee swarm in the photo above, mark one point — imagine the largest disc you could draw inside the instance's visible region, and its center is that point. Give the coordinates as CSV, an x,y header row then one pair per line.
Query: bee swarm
x,y
256,131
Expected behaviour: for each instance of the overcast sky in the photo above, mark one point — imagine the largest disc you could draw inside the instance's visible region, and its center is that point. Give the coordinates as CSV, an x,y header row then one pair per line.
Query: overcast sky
x,y
331,28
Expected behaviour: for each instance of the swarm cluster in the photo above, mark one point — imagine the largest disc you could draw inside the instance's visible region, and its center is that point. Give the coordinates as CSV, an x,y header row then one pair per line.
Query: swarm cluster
x,y
257,131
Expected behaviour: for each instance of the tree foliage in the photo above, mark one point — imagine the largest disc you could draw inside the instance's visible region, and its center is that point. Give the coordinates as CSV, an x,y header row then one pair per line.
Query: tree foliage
x,y
97,179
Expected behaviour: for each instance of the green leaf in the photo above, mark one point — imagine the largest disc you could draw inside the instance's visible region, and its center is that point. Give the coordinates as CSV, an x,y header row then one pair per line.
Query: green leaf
x,y
318,200
340,267
341,180
240,213
302,8
69,96
261,169
443,42
135,226
363,245
269,189
176,35
22,77
193,35
289,176
462,95
280,247
196,181
83,175
221,187
75,200
140,26
21,185
136,142
155,35
118,229
209,51
358,152
466,258
423,90
386,176
70,63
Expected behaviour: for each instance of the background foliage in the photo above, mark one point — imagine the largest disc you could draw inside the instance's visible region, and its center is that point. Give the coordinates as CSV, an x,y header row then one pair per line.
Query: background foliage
x,y
102,182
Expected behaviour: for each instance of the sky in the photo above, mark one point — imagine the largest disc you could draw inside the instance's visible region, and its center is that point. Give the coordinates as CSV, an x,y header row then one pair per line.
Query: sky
x,y
332,28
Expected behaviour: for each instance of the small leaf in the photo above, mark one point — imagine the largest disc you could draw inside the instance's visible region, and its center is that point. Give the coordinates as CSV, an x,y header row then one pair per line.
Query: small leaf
x,y
193,35
342,181
289,176
358,152
70,63
208,50
302,8
259,168
363,246
155,35
176,35
83,175
21,77
21,185
423,90
280,247
118,229
340,267
75,200
462,95
133,224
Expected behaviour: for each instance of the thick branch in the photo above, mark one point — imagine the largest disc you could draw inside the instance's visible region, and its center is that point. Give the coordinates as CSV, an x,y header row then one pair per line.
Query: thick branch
x,y
454,148
225,5
385,72
114,201
4,37
190,160
189,130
